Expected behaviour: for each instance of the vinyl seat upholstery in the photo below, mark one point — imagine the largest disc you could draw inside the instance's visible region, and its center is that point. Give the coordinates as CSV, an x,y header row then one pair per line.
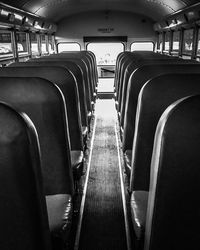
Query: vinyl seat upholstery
x,y
138,205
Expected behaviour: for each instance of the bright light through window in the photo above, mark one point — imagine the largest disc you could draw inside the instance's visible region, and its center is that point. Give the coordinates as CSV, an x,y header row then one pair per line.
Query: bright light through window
x,y
142,46
106,53
68,47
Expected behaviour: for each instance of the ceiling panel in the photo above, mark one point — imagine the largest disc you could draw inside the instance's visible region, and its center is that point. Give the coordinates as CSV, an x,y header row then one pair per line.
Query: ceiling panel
x,y
59,9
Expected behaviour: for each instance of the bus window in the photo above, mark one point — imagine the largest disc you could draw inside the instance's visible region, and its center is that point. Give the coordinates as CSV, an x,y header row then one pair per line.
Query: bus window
x,y
5,44
142,46
175,43
198,48
167,40
43,44
68,47
106,55
51,44
188,41
22,47
160,42
34,43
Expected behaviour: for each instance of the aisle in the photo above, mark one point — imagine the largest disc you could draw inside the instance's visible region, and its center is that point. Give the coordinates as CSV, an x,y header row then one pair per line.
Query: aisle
x,y
103,224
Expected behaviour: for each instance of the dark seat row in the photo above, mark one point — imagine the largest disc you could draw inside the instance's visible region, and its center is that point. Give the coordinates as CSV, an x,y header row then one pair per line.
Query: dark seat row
x,y
167,216
53,94
146,83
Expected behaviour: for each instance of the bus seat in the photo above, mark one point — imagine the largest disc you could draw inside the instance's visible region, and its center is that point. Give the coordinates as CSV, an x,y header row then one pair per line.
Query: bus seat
x,y
43,102
77,73
60,212
66,83
155,96
138,58
138,203
117,65
84,69
89,62
24,221
70,56
77,160
148,72
127,161
172,221
136,82
90,55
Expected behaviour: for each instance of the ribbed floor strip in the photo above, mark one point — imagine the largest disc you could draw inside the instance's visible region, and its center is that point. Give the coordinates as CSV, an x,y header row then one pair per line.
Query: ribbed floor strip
x,y
103,226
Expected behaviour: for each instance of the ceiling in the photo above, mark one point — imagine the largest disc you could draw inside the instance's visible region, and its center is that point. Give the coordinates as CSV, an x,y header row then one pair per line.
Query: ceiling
x,y
56,10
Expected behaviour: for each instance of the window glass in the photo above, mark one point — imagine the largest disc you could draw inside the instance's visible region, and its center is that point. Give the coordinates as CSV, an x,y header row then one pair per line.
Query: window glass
x,y
68,47
43,44
21,42
167,39
160,41
5,44
142,46
51,44
175,44
188,41
106,53
34,43
198,48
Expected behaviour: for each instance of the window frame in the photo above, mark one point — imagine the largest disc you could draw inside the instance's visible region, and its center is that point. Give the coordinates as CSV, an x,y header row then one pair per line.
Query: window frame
x,y
160,42
183,53
38,52
105,42
147,41
8,55
173,52
23,53
164,49
197,33
53,43
46,52
68,43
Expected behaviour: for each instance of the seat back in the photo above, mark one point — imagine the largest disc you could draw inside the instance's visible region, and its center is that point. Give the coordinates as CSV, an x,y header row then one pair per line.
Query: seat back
x,y
44,103
24,221
91,57
137,80
146,69
173,211
65,80
85,60
120,55
77,73
81,64
155,96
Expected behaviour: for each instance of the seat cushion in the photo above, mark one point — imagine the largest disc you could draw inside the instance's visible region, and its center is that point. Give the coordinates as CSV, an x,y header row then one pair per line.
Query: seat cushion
x,y
121,132
116,105
84,131
77,163
127,161
89,114
139,200
85,136
89,117
60,210
93,105
119,115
